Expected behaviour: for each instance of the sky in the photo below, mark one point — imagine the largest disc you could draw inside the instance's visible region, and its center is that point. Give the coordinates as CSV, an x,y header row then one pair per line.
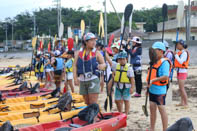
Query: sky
x,y
10,8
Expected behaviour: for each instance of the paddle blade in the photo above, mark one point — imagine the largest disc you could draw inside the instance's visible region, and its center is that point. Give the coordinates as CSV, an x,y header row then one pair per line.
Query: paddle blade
x,y
130,24
144,108
69,32
108,103
61,30
180,13
122,24
110,40
82,27
128,11
164,11
70,43
152,56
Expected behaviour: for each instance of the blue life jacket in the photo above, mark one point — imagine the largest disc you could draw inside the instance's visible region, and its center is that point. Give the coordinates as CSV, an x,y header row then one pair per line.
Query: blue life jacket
x,y
88,64
60,64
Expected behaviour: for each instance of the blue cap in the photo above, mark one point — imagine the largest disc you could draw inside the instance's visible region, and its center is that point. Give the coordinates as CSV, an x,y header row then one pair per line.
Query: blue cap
x,y
181,42
159,45
89,36
122,54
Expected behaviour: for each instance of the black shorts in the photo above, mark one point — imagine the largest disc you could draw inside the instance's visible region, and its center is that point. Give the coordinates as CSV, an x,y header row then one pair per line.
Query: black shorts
x,y
58,72
158,99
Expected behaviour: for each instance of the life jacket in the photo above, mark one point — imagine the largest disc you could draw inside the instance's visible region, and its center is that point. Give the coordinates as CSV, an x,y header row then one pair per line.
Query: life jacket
x,y
60,64
88,63
70,69
39,67
166,54
184,64
121,75
154,73
47,66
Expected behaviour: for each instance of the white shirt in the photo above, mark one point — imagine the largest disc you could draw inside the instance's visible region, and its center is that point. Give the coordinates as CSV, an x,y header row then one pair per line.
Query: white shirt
x,y
181,59
129,74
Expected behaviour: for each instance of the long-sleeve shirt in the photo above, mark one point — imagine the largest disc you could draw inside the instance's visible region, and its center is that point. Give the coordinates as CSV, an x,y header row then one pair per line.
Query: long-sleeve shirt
x,y
136,57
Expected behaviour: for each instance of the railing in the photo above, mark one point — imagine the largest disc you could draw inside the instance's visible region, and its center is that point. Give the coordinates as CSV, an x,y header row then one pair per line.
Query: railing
x,y
172,24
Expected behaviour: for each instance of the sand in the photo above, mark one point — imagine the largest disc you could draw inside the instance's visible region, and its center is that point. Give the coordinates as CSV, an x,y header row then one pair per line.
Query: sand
x,y
136,119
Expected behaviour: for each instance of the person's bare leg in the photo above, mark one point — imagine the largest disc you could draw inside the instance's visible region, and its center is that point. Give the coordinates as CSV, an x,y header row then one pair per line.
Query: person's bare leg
x,y
86,98
93,98
153,115
164,116
127,107
183,92
70,82
102,83
119,105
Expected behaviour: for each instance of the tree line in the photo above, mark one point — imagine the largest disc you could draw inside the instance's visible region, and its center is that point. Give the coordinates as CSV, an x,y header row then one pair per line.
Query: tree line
x,y
46,21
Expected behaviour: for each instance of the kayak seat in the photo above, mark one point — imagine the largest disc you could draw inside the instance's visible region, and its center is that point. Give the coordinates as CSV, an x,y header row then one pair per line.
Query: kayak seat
x,y
32,114
35,106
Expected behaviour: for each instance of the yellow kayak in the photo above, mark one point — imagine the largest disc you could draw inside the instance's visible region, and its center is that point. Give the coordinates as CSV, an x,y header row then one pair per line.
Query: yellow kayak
x,y
44,118
75,96
13,115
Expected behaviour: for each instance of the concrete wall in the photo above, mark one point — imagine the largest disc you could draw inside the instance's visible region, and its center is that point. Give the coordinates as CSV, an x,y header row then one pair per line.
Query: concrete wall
x,y
170,35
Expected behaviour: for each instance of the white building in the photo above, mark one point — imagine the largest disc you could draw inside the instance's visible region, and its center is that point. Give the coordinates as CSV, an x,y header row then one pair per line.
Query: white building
x,y
171,26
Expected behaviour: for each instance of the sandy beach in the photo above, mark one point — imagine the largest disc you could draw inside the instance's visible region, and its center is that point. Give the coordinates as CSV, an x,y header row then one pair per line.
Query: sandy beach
x,y
137,121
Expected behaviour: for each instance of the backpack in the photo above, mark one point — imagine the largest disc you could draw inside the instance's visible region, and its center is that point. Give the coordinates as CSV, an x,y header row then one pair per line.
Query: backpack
x,y
64,101
183,124
6,126
89,113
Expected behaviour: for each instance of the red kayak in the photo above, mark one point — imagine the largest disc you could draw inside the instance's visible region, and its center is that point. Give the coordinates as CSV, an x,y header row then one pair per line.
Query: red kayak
x,y
9,94
110,122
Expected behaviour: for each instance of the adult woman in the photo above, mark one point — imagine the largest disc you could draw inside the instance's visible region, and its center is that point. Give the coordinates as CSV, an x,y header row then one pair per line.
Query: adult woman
x,y
136,56
181,63
87,64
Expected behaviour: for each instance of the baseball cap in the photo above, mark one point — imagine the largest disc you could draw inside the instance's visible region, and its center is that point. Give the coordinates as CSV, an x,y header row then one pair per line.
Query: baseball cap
x,y
159,45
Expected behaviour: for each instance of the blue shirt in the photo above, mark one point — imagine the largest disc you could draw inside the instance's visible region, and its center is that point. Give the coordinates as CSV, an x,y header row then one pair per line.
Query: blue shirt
x,y
162,71
69,63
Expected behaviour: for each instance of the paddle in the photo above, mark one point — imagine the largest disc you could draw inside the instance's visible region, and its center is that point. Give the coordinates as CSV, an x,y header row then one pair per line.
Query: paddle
x,y
126,16
130,28
153,59
82,26
164,15
34,40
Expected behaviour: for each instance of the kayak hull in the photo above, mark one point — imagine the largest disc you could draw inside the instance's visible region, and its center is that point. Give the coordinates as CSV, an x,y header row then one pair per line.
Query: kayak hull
x,y
116,122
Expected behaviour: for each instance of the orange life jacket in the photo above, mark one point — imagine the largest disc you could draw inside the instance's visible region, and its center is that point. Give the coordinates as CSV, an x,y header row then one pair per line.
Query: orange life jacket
x,y
154,73
184,64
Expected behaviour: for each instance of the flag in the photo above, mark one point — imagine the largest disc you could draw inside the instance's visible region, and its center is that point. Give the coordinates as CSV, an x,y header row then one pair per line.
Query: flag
x,y
101,26
34,39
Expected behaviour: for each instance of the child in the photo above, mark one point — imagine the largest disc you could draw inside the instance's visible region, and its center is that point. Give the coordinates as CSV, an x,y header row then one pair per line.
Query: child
x,y
69,71
39,68
48,70
123,81
181,63
157,87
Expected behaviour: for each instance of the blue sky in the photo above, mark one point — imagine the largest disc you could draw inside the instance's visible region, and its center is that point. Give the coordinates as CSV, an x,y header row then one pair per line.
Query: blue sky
x,y
10,8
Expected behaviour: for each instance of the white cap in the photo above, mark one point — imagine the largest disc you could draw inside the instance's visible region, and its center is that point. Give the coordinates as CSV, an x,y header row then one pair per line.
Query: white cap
x,y
136,40
57,53
166,43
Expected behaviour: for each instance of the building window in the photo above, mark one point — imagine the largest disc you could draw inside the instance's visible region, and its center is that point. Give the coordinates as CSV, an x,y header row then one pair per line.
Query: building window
x,y
192,37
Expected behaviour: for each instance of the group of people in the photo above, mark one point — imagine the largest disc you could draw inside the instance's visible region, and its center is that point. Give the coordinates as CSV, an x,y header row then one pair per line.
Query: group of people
x,y
55,67
120,66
